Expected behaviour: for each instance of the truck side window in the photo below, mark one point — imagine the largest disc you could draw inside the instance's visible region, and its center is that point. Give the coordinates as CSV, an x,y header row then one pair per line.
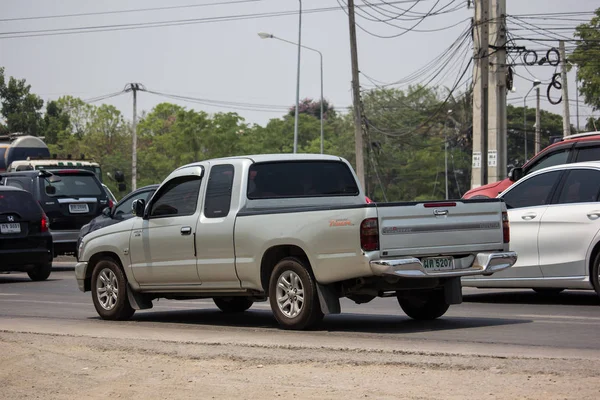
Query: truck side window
x,y
21,183
556,158
532,192
218,191
178,197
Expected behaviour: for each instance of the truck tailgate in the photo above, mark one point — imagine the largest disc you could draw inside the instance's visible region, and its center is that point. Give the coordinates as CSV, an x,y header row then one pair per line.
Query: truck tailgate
x,y
440,228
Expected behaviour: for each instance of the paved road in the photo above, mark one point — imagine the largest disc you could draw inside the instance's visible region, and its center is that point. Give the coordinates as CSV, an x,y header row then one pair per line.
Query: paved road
x,y
519,320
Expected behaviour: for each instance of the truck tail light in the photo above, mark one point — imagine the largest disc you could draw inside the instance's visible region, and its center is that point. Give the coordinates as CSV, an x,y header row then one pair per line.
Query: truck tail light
x,y
110,203
505,227
45,223
369,234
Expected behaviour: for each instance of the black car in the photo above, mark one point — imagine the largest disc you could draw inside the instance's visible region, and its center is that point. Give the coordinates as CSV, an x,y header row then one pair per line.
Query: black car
x,y
70,198
25,240
120,212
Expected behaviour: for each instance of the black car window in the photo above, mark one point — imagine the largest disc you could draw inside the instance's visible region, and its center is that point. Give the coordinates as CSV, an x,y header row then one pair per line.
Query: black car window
x,y
556,158
218,191
588,154
177,198
75,186
532,192
2,161
300,179
581,186
22,203
123,209
21,183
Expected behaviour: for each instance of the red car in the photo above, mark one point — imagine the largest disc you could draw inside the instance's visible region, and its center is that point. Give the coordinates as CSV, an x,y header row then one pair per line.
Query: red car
x,y
570,149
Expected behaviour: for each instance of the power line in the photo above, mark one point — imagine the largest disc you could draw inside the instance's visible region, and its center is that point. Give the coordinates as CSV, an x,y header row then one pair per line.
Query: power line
x,y
160,24
222,3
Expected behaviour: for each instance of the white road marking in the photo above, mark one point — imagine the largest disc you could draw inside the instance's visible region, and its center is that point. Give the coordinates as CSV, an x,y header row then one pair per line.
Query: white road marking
x,y
10,294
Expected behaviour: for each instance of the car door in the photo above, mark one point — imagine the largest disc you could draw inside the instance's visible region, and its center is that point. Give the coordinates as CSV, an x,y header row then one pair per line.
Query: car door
x,y
527,201
162,247
214,239
569,225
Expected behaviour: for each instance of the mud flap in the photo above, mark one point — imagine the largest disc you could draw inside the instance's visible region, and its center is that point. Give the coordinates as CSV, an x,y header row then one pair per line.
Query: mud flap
x,y
328,299
137,300
453,291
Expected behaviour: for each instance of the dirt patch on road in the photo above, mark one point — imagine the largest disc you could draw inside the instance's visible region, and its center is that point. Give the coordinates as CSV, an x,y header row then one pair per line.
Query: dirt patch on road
x,y
63,367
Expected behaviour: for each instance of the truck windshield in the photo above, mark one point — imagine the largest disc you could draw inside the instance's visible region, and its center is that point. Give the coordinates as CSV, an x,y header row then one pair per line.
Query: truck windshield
x,y
300,179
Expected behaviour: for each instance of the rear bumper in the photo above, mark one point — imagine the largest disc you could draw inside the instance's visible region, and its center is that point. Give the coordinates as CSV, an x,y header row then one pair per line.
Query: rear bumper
x,y
411,267
65,242
23,259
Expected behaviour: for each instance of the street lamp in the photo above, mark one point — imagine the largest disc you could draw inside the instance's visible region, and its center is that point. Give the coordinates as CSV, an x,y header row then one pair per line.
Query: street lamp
x,y
264,35
536,83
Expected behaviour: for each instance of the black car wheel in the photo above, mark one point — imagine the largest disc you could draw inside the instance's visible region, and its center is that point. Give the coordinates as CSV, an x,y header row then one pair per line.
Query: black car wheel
x,y
41,272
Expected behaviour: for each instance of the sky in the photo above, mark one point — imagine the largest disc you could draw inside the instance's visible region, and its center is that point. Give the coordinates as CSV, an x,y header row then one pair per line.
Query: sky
x,y
227,60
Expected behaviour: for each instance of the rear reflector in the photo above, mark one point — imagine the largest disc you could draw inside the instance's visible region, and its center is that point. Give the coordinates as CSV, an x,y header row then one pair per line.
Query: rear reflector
x,y
432,205
369,234
505,228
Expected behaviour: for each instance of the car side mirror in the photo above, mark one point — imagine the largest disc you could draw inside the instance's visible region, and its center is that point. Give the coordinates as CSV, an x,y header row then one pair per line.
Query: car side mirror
x,y
515,174
106,212
138,207
50,190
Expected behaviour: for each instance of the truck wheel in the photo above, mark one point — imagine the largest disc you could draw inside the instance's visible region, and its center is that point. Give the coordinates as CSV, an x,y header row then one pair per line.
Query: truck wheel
x,y
424,306
233,304
109,291
595,275
41,272
293,295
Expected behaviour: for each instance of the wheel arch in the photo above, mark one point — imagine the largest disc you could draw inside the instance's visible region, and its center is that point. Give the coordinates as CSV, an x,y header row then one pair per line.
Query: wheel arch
x,y
95,259
276,253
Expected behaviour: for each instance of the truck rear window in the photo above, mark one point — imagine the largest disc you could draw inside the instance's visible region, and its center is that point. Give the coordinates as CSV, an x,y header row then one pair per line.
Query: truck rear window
x,y
75,185
292,179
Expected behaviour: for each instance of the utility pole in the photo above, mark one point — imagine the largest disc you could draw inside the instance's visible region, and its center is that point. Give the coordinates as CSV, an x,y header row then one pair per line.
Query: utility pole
x,y
480,93
538,121
446,153
577,97
565,89
358,132
134,87
296,115
497,159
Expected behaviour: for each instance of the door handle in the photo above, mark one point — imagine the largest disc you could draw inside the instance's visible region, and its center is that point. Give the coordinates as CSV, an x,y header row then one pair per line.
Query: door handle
x,y
529,217
593,215
186,230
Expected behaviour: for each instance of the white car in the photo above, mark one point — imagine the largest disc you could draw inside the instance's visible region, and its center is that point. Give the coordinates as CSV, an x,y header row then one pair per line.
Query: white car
x,y
554,216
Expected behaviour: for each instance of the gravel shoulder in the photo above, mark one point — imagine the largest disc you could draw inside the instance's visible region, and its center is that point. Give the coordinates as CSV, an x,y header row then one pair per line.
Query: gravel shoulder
x,y
51,366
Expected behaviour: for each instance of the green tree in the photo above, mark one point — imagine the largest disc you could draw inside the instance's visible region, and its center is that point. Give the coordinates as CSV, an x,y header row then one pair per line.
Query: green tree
x,y
586,57
21,109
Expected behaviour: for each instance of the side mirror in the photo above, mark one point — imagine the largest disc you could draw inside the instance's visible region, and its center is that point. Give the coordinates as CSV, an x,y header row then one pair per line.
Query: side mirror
x,y
106,212
515,174
138,207
50,190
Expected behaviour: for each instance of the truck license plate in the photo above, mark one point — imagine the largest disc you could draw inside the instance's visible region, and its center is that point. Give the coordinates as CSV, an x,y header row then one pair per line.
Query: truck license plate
x,y
78,208
10,228
438,263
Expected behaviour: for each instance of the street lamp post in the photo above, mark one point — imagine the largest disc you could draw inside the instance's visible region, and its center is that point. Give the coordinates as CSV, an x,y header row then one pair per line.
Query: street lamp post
x,y
536,83
270,36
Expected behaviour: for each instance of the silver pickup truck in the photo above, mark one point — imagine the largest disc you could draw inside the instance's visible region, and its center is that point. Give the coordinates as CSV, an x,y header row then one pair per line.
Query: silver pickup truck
x,y
293,229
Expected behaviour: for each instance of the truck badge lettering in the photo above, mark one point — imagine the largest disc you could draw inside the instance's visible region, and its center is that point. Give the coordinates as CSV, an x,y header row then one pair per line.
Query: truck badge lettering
x,y
340,222
394,230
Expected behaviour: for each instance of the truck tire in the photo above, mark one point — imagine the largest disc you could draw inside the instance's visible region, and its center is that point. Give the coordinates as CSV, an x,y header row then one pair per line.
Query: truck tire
x,y
424,306
109,291
233,304
41,272
595,275
293,295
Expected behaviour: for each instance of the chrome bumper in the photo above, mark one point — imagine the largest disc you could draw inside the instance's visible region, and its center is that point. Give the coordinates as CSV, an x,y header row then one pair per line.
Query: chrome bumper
x,y
80,269
65,236
411,267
